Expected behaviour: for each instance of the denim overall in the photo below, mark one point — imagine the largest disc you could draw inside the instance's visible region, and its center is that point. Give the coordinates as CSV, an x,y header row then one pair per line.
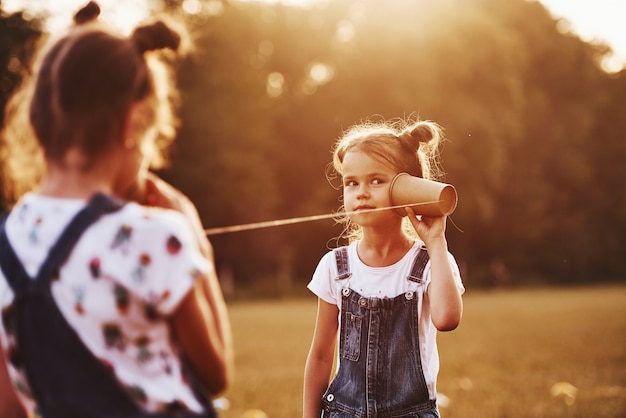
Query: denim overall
x,y
380,374
66,379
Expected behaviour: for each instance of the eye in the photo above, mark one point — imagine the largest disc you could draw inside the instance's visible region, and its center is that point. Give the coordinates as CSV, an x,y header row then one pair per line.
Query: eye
x,y
377,181
349,183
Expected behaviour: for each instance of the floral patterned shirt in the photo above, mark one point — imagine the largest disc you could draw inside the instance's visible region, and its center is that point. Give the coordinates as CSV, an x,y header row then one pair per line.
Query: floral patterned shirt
x,y
123,280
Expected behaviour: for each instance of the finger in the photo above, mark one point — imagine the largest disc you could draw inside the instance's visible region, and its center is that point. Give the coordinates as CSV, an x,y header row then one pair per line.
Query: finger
x,y
412,214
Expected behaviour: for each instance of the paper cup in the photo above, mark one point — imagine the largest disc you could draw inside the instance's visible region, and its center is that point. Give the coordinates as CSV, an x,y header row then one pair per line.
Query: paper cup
x,y
426,197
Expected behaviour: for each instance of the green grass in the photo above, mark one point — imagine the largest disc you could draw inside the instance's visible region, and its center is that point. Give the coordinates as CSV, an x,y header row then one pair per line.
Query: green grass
x,y
502,362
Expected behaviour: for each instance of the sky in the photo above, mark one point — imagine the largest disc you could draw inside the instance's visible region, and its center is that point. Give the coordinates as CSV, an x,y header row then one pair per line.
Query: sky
x,y
596,19
590,19
121,14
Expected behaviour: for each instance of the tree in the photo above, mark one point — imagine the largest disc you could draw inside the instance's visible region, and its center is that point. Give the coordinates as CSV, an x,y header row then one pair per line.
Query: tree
x,y
535,137
20,37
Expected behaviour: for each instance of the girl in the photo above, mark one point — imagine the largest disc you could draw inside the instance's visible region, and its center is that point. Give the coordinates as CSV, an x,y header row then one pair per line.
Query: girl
x,y
385,295
109,309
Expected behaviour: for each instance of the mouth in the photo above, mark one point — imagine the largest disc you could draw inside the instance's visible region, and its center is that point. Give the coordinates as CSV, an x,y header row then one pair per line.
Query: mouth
x,y
363,207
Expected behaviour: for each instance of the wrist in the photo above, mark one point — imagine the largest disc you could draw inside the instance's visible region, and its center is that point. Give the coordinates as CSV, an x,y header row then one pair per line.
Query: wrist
x,y
437,244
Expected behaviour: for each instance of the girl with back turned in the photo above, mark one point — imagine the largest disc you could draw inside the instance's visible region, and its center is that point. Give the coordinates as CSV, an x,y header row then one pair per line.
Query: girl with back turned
x,y
109,308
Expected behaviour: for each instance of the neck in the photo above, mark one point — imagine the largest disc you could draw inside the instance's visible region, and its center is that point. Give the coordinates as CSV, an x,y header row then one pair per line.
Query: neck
x,y
379,249
74,179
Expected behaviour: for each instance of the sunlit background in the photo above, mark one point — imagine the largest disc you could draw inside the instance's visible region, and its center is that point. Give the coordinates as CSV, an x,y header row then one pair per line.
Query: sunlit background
x,y
528,98
596,20
532,104
592,20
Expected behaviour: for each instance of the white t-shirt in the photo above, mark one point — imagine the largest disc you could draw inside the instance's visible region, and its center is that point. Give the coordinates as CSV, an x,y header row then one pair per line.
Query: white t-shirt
x,y
126,275
386,282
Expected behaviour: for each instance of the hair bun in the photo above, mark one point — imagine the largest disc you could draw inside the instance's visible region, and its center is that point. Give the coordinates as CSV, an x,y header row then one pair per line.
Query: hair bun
x,y
423,132
155,36
89,12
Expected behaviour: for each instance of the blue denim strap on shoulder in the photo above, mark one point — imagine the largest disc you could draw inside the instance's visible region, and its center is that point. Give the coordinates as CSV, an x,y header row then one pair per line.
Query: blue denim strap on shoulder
x,y
9,261
343,266
419,265
98,205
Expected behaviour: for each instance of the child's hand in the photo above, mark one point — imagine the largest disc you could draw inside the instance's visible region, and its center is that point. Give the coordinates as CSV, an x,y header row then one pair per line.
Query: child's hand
x,y
429,228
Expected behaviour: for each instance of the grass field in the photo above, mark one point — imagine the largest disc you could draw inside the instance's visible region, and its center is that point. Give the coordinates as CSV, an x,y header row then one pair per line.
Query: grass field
x,y
511,351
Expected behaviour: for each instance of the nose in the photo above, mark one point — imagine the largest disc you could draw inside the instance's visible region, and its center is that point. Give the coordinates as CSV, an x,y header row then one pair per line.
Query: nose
x,y
363,192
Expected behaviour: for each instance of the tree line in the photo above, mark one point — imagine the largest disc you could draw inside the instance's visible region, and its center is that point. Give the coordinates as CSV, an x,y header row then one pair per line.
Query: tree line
x,y
535,138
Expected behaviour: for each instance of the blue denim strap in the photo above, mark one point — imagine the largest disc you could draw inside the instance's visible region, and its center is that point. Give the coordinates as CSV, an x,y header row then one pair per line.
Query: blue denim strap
x,y
98,206
417,271
19,280
343,267
9,263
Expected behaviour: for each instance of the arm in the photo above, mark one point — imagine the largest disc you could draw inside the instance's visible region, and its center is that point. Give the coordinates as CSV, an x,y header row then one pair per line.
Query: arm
x,y
446,304
203,330
159,193
9,405
150,190
162,194
201,321
319,362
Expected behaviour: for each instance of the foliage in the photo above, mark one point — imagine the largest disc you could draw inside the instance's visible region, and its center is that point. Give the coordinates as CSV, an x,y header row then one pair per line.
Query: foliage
x,y
19,36
535,135
534,145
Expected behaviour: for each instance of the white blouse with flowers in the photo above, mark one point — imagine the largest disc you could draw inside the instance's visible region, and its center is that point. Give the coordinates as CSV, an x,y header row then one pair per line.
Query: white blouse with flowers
x,y
123,279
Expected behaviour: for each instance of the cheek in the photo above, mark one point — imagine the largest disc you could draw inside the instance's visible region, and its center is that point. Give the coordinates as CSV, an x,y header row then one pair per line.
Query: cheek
x,y
382,194
348,194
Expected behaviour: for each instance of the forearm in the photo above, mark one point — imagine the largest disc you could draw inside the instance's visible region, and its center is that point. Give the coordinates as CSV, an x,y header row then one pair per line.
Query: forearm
x,y
220,321
9,404
446,304
319,362
316,377
205,339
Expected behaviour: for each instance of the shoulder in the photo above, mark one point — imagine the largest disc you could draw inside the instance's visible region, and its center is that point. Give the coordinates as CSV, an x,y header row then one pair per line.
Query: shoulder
x,y
339,260
327,263
145,221
152,216
148,251
323,283
137,232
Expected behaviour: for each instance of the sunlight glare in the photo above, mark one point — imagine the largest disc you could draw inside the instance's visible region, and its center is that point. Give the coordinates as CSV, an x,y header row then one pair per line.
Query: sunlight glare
x,y
318,74
275,84
321,73
299,3
566,391
119,14
209,7
192,7
594,20
345,31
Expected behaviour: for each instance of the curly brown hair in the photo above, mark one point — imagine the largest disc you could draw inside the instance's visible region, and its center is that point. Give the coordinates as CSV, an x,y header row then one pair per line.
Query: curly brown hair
x,y
407,145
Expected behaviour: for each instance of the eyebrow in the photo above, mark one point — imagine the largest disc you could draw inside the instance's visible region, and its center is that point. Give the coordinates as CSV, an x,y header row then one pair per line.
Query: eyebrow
x,y
368,175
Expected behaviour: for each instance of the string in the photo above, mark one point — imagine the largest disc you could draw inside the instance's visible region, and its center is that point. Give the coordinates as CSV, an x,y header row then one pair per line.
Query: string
x,y
289,221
